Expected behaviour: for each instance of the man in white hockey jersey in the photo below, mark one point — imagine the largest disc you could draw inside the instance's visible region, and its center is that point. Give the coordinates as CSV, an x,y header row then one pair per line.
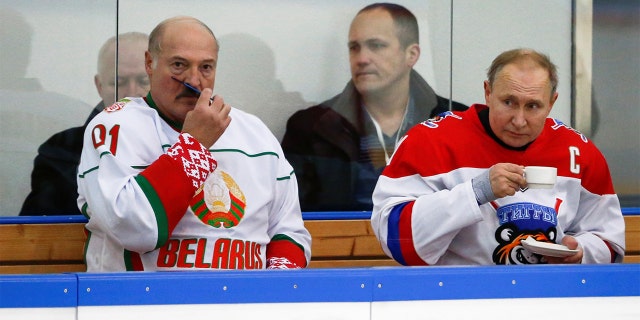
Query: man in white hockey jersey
x,y
454,192
179,180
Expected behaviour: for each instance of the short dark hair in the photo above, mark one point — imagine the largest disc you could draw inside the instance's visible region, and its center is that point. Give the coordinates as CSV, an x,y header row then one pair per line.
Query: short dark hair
x,y
519,54
405,22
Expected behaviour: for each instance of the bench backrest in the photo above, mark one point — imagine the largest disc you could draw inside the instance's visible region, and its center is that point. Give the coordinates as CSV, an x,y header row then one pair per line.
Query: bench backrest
x,y
59,247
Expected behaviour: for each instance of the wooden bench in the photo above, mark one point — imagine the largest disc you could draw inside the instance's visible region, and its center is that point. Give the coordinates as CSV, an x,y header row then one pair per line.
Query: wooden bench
x,y
58,247
345,243
42,248
632,236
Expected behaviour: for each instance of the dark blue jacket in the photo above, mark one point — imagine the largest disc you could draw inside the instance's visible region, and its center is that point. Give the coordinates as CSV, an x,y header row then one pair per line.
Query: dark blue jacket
x,y
322,143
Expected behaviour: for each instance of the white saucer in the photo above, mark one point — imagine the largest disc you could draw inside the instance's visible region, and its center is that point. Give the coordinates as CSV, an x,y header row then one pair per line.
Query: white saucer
x,y
546,248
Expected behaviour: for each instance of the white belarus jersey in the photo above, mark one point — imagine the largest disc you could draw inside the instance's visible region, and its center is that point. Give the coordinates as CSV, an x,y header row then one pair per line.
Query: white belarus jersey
x,y
142,211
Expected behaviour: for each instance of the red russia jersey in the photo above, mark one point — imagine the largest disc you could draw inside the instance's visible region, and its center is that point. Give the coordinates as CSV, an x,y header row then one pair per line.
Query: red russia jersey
x,y
425,210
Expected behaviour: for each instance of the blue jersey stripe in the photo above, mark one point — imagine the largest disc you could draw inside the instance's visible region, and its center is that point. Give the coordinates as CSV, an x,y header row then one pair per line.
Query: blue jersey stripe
x,y
393,233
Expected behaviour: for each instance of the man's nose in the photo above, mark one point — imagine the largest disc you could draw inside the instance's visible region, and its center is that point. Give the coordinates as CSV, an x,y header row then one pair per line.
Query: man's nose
x,y
192,76
361,56
519,118
127,90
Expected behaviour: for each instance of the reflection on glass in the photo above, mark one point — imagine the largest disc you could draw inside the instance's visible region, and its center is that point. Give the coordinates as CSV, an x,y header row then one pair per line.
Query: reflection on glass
x,y
53,179
28,112
47,65
246,78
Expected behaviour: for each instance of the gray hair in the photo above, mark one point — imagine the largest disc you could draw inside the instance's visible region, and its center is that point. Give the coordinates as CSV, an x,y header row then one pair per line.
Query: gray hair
x,y
520,54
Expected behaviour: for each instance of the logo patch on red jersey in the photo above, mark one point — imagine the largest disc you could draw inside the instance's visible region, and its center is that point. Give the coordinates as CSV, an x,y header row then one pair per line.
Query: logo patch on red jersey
x,y
433,122
557,124
119,105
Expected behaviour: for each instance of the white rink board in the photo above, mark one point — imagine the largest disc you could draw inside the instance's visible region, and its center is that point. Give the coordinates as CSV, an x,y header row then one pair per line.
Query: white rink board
x,y
262,311
618,308
38,313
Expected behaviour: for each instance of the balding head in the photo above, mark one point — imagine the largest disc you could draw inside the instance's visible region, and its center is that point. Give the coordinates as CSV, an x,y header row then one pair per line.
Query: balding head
x,y
183,49
155,38
131,77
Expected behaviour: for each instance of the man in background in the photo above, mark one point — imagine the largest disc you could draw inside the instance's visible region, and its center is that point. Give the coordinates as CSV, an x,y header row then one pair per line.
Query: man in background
x,y
339,148
132,81
53,179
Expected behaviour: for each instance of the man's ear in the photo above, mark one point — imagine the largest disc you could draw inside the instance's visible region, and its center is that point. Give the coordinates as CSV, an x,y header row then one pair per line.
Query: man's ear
x,y
98,84
148,63
413,54
553,100
487,91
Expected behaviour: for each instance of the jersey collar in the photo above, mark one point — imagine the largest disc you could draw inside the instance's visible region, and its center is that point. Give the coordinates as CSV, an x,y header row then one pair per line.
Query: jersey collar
x,y
175,125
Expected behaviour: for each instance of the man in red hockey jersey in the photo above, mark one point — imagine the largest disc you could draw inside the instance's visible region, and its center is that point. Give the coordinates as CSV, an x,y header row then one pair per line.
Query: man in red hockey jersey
x,y
454,192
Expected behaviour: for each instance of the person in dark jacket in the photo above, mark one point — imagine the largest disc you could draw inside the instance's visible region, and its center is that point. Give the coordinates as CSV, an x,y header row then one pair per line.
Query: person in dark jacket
x,y
339,148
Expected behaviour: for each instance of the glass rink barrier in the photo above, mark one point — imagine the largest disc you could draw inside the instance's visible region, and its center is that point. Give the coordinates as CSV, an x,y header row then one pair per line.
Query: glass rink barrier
x,y
491,292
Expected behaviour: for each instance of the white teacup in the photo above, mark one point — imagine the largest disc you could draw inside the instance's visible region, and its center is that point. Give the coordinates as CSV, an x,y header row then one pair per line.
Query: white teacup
x,y
540,177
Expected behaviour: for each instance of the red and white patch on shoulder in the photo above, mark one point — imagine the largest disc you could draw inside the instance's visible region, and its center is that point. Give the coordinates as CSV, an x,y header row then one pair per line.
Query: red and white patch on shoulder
x,y
119,105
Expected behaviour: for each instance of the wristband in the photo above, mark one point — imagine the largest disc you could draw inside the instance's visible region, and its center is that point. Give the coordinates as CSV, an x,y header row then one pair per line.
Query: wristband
x,y
281,263
196,160
482,188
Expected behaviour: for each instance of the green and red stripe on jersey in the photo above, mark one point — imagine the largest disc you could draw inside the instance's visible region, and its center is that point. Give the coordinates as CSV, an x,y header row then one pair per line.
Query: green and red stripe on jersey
x,y
282,246
170,182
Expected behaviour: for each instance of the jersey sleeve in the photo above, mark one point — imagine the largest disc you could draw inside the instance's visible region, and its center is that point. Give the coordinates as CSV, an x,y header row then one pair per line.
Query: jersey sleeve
x,y
599,224
130,189
417,211
290,245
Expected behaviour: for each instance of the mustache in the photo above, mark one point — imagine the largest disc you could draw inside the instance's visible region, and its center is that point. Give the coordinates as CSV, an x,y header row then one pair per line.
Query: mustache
x,y
187,94
189,91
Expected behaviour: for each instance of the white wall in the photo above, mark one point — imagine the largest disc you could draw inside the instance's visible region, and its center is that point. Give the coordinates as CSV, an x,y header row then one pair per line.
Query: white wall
x,y
484,29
